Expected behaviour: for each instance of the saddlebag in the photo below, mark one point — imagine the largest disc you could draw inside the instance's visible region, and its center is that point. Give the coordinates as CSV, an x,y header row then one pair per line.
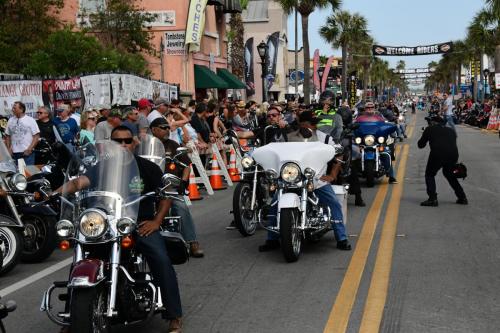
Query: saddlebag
x,y
341,194
176,246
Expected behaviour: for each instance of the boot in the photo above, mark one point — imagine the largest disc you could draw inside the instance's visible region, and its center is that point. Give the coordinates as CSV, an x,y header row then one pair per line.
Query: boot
x,y
175,326
431,202
462,201
359,201
195,250
269,245
344,245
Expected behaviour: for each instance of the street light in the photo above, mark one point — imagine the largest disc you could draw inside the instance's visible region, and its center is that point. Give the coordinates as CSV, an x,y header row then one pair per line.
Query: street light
x,y
262,50
486,73
321,71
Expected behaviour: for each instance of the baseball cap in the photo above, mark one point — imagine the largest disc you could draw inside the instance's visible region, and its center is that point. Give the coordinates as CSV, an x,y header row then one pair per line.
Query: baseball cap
x,y
158,122
308,116
115,113
144,102
159,101
241,104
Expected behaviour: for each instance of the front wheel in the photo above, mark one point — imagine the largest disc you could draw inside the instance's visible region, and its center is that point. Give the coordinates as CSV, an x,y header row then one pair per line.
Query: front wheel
x,y
11,244
39,238
291,236
88,311
370,172
243,215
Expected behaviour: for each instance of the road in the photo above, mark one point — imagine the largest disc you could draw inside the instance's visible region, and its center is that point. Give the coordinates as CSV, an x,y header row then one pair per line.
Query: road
x,y
412,269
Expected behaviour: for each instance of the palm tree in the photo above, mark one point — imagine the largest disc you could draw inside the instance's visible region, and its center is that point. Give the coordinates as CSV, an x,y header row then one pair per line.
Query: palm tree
x,y
362,59
493,7
237,44
305,8
342,30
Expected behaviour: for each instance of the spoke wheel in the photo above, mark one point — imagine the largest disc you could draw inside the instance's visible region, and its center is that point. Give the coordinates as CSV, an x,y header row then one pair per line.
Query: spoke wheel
x,y
243,215
291,235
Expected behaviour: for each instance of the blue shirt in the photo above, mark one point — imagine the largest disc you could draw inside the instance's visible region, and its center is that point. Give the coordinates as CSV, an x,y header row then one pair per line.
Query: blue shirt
x,y
67,129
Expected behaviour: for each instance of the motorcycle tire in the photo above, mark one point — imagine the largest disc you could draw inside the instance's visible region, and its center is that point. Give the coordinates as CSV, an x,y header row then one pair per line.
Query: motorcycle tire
x,y
291,236
370,173
242,198
12,245
87,310
39,238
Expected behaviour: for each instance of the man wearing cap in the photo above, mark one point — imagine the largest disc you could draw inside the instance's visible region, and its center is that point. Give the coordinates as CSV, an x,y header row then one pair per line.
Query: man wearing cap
x,y
308,133
329,121
103,111
161,130
67,127
103,129
160,109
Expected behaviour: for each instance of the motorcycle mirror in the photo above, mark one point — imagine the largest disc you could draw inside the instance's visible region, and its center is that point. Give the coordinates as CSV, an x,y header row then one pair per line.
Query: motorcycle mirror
x,y
181,151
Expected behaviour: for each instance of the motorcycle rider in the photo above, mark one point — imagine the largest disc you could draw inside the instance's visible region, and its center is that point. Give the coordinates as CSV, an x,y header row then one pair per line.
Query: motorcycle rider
x,y
308,133
148,240
444,154
161,130
329,121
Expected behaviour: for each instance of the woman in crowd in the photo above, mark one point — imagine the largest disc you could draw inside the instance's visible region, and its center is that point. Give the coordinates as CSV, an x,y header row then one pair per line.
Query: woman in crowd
x,y
88,122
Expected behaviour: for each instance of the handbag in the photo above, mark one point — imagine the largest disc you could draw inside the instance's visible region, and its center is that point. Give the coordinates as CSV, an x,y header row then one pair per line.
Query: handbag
x,y
459,170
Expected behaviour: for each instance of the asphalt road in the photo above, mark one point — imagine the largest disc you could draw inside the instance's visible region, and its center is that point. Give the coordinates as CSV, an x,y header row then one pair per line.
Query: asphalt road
x,y
412,269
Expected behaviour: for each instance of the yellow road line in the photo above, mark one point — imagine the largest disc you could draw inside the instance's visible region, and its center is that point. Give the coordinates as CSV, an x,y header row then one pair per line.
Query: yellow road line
x,y
412,127
377,294
341,310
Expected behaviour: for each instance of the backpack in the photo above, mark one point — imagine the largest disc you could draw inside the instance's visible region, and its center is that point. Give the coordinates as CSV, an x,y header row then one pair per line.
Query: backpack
x,y
459,170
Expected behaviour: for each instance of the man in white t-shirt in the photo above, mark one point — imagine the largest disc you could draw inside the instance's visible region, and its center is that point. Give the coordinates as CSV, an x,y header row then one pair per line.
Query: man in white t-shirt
x,y
160,110
448,110
22,134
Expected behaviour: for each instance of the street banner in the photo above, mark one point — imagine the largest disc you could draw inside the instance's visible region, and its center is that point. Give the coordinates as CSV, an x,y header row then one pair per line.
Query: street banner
x,y
161,89
28,92
195,24
249,73
379,50
326,73
140,88
416,76
96,90
174,93
174,42
272,57
58,92
497,81
414,70
315,69
121,89
353,89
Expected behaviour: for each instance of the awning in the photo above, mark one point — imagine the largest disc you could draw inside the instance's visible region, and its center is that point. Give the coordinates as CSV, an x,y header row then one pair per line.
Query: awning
x,y
204,78
232,80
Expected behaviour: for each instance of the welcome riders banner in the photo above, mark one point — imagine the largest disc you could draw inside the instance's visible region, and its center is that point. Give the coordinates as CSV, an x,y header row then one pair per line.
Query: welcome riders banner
x,y
249,74
379,50
195,24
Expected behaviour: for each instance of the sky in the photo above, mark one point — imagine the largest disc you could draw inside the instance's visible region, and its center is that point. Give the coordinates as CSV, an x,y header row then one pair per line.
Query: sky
x,y
398,23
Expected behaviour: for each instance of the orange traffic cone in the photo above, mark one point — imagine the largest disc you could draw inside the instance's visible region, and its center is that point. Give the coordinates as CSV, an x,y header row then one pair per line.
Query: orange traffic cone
x,y
215,175
234,173
194,194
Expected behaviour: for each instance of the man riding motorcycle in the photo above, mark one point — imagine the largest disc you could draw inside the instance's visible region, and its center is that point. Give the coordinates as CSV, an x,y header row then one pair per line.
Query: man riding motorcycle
x,y
308,133
329,121
148,240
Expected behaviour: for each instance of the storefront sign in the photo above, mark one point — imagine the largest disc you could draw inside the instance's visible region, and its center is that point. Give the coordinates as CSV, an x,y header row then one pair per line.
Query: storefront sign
x,y
174,42
379,50
195,24
28,92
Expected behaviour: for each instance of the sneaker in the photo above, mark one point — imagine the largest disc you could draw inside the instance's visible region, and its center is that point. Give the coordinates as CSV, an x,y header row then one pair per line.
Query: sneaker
x,y
344,245
270,245
393,180
429,203
231,226
462,201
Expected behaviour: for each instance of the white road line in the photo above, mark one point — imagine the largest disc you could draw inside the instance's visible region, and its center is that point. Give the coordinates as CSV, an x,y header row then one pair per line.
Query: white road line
x,y
35,277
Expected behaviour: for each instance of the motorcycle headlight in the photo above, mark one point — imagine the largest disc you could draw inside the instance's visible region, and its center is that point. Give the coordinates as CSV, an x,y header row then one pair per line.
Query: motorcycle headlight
x,y
369,140
65,228
390,140
309,173
358,141
271,174
92,223
19,182
381,139
125,225
247,162
290,173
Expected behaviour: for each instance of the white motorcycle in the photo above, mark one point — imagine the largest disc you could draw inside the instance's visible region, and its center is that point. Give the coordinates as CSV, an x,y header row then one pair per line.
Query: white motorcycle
x,y
293,170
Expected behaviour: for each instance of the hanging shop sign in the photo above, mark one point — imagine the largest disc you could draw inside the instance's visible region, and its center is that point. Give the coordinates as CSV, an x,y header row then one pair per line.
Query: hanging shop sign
x,y
28,92
379,50
195,24
174,42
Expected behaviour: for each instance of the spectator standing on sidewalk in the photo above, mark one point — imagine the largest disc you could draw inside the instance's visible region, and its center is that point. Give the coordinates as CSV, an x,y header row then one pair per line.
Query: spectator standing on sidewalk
x,y
45,125
160,109
103,112
22,134
103,130
131,120
88,125
66,126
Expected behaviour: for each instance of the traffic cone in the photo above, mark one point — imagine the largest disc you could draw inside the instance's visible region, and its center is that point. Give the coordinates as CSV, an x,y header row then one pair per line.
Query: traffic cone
x,y
234,173
194,194
215,175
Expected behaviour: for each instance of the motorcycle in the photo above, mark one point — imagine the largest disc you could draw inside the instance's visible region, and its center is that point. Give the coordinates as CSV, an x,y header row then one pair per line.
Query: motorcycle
x,y
299,214
5,308
374,140
109,282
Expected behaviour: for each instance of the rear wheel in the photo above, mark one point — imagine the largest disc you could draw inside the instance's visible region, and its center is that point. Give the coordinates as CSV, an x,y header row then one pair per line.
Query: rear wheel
x,y
243,215
88,311
11,244
39,238
291,235
370,172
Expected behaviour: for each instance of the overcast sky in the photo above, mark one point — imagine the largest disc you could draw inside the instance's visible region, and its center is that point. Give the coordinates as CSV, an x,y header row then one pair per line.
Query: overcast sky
x,y
399,23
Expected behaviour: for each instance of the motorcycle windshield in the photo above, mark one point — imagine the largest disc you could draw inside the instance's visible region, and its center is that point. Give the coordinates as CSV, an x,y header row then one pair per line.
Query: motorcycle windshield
x,y
7,163
152,149
108,178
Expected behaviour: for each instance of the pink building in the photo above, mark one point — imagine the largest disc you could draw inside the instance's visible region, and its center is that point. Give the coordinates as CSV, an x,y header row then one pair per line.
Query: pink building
x,y
176,65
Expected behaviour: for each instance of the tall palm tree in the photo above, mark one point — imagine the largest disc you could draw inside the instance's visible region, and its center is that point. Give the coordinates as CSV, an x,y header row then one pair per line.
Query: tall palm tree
x,y
363,59
493,7
305,8
342,30
237,44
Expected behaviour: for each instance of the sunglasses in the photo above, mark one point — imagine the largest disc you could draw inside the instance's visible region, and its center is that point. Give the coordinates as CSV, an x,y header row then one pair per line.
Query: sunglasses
x,y
91,118
123,140
164,127
272,115
38,112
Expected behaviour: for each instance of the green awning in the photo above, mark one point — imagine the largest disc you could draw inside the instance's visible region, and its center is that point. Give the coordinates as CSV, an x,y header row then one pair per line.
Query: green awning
x,y
204,78
232,80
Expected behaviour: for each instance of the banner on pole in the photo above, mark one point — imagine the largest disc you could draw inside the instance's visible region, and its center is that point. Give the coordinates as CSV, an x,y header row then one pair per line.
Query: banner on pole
x,y
249,74
379,50
28,92
96,89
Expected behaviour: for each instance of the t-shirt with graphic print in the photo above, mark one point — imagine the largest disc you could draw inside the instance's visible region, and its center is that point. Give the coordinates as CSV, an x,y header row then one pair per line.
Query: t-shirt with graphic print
x,y
21,131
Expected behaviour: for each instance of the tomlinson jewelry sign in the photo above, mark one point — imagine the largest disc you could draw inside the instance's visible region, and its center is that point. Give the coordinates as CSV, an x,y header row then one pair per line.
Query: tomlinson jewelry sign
x,y
411,50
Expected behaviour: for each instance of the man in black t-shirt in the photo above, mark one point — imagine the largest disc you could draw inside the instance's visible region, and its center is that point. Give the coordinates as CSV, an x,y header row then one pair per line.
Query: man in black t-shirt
x,y
46,127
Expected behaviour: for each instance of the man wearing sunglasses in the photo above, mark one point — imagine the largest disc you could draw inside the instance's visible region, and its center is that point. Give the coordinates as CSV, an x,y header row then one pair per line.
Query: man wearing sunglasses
x,y
104,129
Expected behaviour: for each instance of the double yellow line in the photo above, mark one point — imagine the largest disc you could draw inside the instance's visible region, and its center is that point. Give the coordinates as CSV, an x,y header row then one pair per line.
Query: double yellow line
x,y
377,294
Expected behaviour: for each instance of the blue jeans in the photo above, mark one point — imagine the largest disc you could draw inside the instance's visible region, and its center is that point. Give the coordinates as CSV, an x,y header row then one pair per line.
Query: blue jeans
x,y
386,162
188,231
449,121
29,160
155,251
326,197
